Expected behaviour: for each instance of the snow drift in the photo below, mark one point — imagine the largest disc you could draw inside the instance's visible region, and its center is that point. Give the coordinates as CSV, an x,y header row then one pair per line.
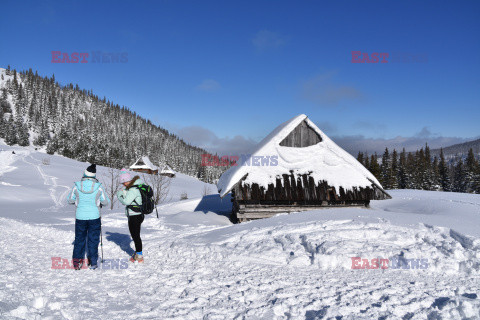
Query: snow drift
x,y
200,266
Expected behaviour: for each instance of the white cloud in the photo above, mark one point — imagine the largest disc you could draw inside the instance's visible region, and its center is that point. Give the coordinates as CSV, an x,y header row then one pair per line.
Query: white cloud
x,y
208,85
205,138
323,91
376,129
424,133
265,39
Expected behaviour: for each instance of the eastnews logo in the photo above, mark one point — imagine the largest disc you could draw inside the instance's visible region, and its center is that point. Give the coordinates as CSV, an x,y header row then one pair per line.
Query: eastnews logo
x,y
243,160
59,263
394,263
85,57
385,57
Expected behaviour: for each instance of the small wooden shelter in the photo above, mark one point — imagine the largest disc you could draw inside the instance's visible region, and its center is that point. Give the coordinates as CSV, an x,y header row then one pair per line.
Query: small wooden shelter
x,y
297,167
144,165
167,171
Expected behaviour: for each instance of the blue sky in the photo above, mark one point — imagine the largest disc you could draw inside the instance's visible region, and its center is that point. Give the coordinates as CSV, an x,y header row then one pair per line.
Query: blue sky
x,y
223,74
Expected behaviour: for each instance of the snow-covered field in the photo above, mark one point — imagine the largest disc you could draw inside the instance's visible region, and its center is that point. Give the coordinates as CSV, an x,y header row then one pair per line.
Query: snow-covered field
x,y
200,266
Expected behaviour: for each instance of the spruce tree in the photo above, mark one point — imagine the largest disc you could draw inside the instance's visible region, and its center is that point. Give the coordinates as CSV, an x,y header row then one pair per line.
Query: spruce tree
x,y
21,131
412,171
360,158
427,174
375,167
366,161
3,124
444,175
386,170
15,81
11,134
394,170
402,170
419,170
23,135
476,182
52,146
459,176
471,170
435,177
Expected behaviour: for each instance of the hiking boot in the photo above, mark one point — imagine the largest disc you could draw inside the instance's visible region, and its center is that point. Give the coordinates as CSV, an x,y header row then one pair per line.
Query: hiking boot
x,y
137,257
77,264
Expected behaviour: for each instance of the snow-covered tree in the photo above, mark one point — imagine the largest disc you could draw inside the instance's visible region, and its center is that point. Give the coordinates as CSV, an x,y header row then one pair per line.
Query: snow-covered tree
x,y
402,171
471,172
11,134
444,176
78,124
459,175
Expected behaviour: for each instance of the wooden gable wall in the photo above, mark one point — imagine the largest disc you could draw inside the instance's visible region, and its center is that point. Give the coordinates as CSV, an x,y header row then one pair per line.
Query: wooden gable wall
x,y
302,136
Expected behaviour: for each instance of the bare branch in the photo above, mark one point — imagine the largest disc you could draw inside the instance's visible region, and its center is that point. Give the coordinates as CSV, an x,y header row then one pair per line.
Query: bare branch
x,y
160,185
111,183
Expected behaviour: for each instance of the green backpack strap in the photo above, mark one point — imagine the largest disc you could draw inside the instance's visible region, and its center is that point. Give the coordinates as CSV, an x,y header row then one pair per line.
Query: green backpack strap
x,y
136,203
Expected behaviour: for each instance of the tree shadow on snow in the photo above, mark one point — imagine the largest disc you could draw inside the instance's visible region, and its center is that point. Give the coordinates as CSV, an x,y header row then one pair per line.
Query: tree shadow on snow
x,y
213,203
122,240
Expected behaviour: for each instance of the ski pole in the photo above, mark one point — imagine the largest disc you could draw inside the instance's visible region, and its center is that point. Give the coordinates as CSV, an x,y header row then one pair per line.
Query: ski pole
x,y
101,233
101,239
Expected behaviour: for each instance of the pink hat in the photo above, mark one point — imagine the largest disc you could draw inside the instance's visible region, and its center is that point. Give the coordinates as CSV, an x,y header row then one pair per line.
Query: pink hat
x,y
124,176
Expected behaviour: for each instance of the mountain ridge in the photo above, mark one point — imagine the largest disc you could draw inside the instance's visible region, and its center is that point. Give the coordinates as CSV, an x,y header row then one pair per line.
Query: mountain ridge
x,y
78,124
459,149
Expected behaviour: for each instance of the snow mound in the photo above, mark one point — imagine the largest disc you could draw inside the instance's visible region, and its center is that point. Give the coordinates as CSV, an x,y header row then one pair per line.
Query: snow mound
x,y
330,245
281,268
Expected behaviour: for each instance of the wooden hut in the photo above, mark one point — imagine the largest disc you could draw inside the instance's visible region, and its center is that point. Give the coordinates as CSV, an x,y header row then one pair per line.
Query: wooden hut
x,y
144,165
297,167
167,171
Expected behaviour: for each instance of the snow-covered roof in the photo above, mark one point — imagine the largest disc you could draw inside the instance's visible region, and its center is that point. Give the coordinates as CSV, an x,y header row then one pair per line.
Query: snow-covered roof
x,y
166,169
323,161
143,163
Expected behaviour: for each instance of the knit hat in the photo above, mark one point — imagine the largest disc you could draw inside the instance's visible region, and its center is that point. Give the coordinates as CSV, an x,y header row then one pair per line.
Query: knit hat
x,y
91,171
124,176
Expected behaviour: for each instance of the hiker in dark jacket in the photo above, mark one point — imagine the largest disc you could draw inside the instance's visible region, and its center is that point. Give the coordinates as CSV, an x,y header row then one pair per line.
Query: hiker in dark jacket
x,y
87,194
131,196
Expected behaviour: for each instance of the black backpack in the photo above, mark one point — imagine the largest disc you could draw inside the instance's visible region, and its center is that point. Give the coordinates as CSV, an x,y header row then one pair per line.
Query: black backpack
x,y
148,204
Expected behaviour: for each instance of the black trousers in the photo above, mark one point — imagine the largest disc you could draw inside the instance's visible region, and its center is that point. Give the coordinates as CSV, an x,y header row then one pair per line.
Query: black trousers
x,y
134,225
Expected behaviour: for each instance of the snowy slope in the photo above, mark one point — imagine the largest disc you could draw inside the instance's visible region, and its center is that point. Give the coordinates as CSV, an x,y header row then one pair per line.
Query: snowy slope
x,y
200,266
45,187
